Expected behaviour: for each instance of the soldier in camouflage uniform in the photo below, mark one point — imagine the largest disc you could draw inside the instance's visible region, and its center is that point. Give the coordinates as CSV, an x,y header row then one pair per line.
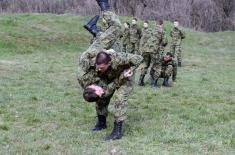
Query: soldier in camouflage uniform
x,y
146,34
135,35
111,70
126,38
166,70
104,40
177,36
164,41
154,43
111,75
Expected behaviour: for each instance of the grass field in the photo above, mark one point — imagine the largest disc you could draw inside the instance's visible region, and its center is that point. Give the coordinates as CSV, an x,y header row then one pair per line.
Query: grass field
x,y
42,110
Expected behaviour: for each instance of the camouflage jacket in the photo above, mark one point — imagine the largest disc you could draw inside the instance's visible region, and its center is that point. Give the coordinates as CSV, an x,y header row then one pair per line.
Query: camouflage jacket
x,y
177,36
105,40
126,36
146,34
92,77
113,78
135,33
156,40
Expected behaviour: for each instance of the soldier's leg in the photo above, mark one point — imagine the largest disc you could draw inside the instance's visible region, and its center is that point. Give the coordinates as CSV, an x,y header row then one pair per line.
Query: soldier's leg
x,y
132,48
179,55
172,50
102,113
155,70
124,48
120,103
174,74
144,70
167,73
137,48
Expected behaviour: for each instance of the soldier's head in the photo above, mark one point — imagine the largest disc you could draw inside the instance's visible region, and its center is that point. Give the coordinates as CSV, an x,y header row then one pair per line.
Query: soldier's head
x,y
90,95
134,21
146,24
103,62
168,56
176,23
126,25
160,23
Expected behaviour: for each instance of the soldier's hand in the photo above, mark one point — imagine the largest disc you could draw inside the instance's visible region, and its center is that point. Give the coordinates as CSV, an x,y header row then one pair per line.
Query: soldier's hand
x,y
128,73
110,51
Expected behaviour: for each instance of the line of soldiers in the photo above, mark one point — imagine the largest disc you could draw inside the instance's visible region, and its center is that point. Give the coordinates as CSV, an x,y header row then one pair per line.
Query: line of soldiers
x,y
110,62
150,43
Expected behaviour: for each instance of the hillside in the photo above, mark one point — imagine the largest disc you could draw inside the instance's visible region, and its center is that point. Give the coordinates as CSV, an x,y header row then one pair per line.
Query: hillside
x,y
203,15
42,110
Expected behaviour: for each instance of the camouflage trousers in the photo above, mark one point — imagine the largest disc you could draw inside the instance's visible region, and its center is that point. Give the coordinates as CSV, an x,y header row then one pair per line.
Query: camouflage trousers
x,y
125,48
177,52
134,48
148,60
155,70
174,74
119,103
166,71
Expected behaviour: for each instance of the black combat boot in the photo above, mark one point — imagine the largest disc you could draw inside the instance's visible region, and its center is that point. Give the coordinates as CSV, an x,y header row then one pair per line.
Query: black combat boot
x,y
166,82
101,123
116,133
154,83
104,4
179,64
91,26
141,80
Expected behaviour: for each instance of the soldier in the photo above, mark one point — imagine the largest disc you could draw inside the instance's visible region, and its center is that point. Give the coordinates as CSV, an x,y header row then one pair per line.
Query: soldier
x,y
177,36
126,38
114,70
164,41
104,40
154,43
135,35
166,70
146,34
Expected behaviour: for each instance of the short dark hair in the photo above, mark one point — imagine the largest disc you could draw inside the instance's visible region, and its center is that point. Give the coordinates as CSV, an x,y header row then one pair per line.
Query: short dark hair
x,y
146,21
102,58
135,19
127,23
160,22
170,54
89,95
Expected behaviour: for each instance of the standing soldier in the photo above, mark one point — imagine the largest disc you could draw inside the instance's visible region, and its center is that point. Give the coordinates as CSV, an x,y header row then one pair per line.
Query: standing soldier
x,y
126,38
146,34
164,41
135,35
157,39
177,36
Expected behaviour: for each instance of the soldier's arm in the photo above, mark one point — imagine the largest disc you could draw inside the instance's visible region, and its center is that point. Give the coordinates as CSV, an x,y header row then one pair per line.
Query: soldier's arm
x,y
126,59
171,33
164,40
182,34
87,79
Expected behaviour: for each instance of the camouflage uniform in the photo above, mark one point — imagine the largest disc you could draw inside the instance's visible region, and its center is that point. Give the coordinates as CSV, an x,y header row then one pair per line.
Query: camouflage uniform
x,y
177,36
103,41
163,44
154,43
146,34
135,35
126,40
166,69
115,84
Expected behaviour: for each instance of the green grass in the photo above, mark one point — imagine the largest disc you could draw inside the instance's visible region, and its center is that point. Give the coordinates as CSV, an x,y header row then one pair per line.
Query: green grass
x,y
42,110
